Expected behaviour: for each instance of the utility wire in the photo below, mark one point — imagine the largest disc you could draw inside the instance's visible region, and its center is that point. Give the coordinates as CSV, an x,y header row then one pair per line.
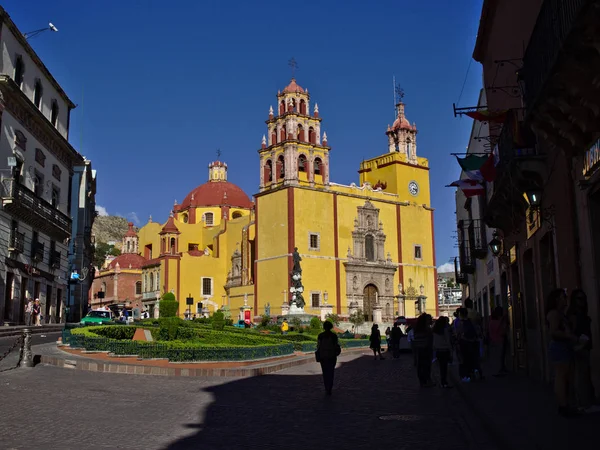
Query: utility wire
x,y
464,82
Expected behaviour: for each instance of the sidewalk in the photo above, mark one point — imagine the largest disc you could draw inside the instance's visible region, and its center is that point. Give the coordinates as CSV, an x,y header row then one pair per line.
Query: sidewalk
x,y
522,414
17,330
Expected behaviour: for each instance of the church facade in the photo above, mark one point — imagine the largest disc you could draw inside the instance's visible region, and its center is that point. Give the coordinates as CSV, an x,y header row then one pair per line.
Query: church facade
x,y
367,246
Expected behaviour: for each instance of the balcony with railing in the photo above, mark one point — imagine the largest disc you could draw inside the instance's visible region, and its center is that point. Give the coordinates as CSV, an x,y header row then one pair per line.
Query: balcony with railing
x,y
17,242
559,74
465,254
477,239
25,205
461,278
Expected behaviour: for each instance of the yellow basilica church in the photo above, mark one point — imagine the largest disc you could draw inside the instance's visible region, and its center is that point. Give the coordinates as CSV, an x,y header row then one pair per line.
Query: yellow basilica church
x,y
367,246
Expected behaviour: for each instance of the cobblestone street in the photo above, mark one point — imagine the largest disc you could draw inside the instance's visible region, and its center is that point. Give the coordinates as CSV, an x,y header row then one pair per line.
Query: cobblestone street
x,y
376,404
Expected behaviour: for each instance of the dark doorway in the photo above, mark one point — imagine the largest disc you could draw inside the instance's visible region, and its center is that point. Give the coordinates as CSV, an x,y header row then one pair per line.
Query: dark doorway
x,y
369,300
516,307
19,315
48,302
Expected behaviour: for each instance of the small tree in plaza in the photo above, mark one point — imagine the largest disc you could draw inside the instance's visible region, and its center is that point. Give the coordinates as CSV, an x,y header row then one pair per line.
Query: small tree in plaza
x,y
315,325
333,318
357,318
218,320
167,306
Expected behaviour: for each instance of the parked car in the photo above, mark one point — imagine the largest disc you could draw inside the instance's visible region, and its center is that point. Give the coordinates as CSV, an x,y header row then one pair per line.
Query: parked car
x,y
96,317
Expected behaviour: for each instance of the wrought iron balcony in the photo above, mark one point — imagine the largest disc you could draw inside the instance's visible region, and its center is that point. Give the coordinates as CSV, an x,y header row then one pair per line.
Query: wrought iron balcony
x,y
554,24
461,278
467,262
516,141
37,212
477,239
17,242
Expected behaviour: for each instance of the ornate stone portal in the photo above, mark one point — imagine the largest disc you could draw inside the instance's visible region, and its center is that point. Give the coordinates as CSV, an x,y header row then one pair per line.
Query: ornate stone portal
x,y
369,273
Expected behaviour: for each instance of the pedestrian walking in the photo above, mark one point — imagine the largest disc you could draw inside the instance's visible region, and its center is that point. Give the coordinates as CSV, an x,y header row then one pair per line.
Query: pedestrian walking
x,y
285,327
423,345
560,349
388,338
37,313
581,324
467,336
328,349
375,340
497,330
442,346
28,312
396,335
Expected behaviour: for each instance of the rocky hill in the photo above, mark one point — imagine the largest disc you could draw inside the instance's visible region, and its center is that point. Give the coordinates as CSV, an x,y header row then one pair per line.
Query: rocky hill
x,y
109,229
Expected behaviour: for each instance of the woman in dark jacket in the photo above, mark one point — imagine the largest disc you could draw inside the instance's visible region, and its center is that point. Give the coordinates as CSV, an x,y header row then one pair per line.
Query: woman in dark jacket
x,y
328,349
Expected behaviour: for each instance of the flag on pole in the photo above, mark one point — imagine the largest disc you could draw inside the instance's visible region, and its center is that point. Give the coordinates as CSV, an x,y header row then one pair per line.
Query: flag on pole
x,y
478,167
470,188
484,115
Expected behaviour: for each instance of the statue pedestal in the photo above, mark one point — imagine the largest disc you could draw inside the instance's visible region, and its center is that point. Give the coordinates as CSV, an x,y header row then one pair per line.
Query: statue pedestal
x,y
377,314
205,312
294,310
285,309
352,307
325,310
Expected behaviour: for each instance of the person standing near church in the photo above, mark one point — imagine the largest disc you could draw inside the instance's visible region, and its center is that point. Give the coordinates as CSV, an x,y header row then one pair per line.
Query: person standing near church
x,y
328,349
37,313
285,327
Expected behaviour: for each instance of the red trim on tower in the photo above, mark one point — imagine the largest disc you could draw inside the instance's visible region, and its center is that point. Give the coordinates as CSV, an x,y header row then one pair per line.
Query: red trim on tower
x,y
437,306
338,296
400,266
255,263
178,284
291,230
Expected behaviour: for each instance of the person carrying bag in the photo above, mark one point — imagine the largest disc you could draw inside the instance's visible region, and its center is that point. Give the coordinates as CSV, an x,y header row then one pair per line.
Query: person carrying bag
x,y
328,349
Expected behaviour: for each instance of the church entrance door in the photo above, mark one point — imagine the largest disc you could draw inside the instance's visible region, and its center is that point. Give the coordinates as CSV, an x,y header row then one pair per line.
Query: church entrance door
x,y
369,300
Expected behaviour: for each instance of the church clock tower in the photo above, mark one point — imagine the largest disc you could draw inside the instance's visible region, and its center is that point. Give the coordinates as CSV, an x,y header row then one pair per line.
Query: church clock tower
x,y
295,152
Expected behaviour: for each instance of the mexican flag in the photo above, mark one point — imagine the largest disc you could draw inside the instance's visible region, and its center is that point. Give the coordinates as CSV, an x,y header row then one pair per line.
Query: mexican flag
x,y
479,167
470,188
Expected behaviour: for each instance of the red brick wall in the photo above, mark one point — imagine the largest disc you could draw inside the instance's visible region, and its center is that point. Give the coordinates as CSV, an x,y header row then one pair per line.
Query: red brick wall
x,y
125,288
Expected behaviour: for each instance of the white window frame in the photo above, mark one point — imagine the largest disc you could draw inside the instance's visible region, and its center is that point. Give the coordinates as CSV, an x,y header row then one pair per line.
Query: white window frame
x,y
320,298
318,247
420,251
212,219
212,287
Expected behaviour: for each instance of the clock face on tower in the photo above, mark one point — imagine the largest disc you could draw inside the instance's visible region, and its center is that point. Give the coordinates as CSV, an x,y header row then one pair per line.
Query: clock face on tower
x,y
413,188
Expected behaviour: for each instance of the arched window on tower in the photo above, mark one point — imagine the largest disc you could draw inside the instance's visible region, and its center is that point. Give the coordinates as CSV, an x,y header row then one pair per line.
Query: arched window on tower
x,y
173,246
128,246
274,137
281,168
163,245
300,134
408,148
268,171
282,108
282,134
302,163
138,288
318,166
312,137
302,107
369,248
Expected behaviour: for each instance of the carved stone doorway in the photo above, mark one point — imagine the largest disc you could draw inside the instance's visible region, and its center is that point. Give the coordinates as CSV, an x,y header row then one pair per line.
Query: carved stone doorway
x,y
369,301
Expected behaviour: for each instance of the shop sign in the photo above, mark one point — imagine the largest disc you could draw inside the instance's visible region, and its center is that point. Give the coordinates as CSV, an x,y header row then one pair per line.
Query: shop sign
x,y
591,160
32,270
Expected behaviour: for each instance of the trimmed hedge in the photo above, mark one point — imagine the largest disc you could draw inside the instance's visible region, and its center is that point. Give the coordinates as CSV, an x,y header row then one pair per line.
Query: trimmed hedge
x,y
176,351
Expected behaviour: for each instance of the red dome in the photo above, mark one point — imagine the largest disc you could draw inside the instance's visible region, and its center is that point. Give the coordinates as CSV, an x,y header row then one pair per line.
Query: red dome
x,y
403,124
293,87
126,259
216,193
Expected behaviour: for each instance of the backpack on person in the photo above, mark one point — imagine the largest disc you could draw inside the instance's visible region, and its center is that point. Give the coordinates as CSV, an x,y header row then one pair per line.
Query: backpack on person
x,y
328,348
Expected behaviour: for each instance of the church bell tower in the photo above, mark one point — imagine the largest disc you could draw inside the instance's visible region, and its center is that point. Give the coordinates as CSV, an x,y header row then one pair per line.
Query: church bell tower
x,y
295,152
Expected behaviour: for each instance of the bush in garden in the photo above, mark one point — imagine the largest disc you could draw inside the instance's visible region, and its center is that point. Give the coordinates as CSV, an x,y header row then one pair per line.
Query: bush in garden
x,y
295,322
167,306
218,320
334,319
265,320
315,325
168,328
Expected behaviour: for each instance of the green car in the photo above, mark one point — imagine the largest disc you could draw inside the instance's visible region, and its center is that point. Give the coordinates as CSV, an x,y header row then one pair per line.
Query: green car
x,y
97,318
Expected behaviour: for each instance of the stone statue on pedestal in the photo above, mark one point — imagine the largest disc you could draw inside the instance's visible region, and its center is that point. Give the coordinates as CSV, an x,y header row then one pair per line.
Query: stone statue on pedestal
x,y
296,280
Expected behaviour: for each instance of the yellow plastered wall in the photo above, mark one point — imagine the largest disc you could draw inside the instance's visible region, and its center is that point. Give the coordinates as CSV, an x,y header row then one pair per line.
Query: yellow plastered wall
x,y
149,234
272,249
314,214
416,230
394,169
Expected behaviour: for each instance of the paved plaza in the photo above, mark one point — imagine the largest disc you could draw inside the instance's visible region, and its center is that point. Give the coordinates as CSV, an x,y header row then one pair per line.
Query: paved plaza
x,y
376,404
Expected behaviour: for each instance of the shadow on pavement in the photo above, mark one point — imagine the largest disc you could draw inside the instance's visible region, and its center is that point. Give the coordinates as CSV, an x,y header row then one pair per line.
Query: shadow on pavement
x,y
374,404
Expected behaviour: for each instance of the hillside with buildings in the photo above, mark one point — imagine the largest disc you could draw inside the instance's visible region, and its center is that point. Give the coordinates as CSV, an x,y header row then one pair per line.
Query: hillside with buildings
x,y
110,229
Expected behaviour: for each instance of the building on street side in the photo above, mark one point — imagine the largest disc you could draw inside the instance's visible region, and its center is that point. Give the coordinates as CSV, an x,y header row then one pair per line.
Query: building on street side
x,y
36,168
540,65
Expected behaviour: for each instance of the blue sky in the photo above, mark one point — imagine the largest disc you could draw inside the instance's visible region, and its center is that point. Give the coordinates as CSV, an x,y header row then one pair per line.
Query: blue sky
x,y
161,85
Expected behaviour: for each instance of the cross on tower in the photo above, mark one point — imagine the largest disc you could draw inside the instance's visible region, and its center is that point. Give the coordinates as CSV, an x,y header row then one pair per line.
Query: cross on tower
x,y
294,65
399,92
